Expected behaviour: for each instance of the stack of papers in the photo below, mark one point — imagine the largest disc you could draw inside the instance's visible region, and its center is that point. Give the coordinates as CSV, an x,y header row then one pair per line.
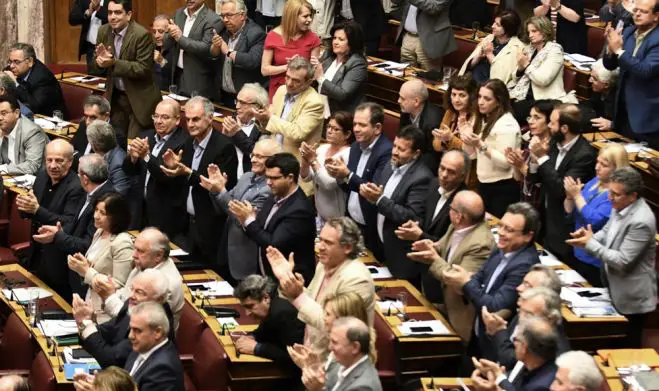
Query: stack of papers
x,y
391,68
549,259
387,305
379,272
177,97
606,310
58,328
580,61
22,295
424,327
178,252
213,288
635,147
570,277
84,79
585,297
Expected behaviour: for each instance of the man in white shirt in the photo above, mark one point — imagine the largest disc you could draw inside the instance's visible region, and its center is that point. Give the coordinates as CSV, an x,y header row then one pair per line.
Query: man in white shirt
x,y
351,368
23,142
91,15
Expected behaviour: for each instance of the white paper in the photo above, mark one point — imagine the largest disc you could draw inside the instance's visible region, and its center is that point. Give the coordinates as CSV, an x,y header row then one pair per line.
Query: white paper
x,y
391,68
22,295
634,147
54,121
569,277
550,260
179,252
216,114
101,85
214,288
385,305
230,322
437,327
177,97
571,296
57,328
22,180
68,358
595,312
84,79
379,272
44,123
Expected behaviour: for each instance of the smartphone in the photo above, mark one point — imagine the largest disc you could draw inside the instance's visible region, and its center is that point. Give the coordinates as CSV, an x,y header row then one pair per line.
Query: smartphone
x,y
620,26
373,270
383,65
421,329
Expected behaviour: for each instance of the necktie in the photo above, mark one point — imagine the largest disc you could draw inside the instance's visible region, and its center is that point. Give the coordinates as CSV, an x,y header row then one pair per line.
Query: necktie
x,y
136,366
4,150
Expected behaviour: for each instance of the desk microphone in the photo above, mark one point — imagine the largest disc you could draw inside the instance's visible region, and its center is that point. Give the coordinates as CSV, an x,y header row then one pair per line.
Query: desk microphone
x,y
431,385
60,367
49,342
223,330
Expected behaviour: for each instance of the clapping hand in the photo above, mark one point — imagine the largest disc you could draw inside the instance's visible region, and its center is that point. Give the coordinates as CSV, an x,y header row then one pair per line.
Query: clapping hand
x,y
78,263
218,45
614,39
216,180
302,356
138,148
242,210
307,152
572,187
173,166
174,30
538,147
493,322
104,56
580,237
81,309
261,115
471,139
456,277
313,378
371,191
523,60
409,230
231,126
281,267
27,202
103,285
317,68
515,158
444,133
83,382
337,168
46,233
424,251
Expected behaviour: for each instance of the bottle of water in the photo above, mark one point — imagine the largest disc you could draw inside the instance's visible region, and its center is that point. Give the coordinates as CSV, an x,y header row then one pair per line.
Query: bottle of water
x,y
33,307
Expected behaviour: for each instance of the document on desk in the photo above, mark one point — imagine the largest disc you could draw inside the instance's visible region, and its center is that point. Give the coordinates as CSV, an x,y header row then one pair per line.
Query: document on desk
x,y
386,305
379,272
606,311
229,322
213,288
579,61
392,68
84,79
570,277
22,295
178,252
548,259
585,297
424,327
58,328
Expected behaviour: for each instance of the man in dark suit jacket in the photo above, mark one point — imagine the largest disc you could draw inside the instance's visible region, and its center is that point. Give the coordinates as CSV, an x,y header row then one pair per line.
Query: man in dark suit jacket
x,y
416,110
369,154
162,56
494,285
286,221
55,198
205,146
370,15
190,37
103,141
398,196
239,48
157,200
569,155
37,86
154,363
90,14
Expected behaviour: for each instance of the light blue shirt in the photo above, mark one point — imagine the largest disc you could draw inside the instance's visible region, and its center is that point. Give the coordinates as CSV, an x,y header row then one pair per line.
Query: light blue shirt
x,y
354,208
199,148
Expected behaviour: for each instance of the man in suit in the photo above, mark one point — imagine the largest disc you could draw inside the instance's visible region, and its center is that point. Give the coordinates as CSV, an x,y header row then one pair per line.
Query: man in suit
x,y
536,346
370,15
569,155
398,196
577,370
637,95
205,146
154,363
95,107
296,112
8,87
351,369
425,33
156,200
90,14
369,154
108,342
103,142
125,50
162,56
494,285
626,246
239,48
23,142
286,221
239,255
189,41
416,110
279,326
37,86
467,242
56,197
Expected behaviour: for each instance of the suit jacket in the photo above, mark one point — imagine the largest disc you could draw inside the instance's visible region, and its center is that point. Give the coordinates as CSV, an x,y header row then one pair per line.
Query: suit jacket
x,y
626,246
135,66
304,122
435,227
29,148
471,254
249,50
579,162
77,18
638,85
197,74
505,62
430,118
279,329
433,25
41,91
241,252
347,88
363,377
162,371
502,294
164,201
292,228
121,182
246,144
370,15
537,380
407,202
80,141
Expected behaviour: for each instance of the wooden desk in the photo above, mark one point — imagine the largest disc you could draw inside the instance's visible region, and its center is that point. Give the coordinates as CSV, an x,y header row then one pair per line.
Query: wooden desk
x,y
65,133
624,358
435,383
13,188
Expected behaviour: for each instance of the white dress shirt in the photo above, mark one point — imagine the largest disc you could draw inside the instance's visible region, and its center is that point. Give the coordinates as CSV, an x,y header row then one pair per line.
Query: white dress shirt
x,y
389,188
354,208
247,129
410,20
187,27
145,356
443,197
94,24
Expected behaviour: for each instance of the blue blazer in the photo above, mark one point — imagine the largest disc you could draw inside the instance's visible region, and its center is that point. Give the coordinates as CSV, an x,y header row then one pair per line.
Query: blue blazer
x,y
503,294
638,81
596,212
538,379
162,371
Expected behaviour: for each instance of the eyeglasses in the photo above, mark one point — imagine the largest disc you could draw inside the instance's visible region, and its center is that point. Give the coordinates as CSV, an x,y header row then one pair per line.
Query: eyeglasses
x,y
156,117
230,15
242,102
508,229
257,156
16,62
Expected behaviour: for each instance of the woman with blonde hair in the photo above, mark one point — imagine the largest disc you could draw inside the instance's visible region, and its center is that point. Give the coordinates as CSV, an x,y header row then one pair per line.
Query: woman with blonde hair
x,y
589,204
291,38
110,379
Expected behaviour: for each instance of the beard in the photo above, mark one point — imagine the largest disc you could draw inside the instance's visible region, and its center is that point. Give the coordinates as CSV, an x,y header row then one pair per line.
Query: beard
x,y
558,137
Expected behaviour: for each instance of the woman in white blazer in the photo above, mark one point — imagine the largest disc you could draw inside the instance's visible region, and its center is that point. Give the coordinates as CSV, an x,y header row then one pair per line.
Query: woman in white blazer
x,y
495,57
539,72
110,254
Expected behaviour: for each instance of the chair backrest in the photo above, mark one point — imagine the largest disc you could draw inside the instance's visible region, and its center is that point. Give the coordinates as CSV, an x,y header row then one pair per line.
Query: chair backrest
x,y
15,348
190,327
42,377
21,229
456,58
569,79
385,345
391,124
209,365
596,41
74,97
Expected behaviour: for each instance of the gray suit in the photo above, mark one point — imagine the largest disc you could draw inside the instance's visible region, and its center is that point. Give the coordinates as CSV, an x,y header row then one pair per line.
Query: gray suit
x,y
198,67
241,252
433,25
249,50
626,246
363,377
347,88
29,145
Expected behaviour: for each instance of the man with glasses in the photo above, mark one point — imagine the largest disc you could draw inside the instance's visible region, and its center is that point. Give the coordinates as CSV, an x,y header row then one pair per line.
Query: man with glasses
x,y
238,252
22,142
239,48
37,87
159,201
189,41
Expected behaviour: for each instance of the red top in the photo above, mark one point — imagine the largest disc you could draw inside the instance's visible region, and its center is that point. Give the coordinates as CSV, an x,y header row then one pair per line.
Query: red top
x,y
301,46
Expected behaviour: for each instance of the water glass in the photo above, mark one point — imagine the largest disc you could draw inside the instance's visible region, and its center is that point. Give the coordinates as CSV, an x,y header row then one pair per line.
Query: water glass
x,y
33,306
58,116
173,89
401,298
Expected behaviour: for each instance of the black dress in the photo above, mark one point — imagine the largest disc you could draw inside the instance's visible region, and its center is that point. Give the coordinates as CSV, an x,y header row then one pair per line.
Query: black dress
x,y
571,36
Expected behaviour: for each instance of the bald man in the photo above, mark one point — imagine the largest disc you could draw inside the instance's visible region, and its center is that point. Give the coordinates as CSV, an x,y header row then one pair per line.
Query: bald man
x,y
55,198
416,110
160,200
466,244
14,383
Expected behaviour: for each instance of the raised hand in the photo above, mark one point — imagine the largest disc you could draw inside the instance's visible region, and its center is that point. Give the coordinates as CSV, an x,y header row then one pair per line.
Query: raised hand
x,y
409,230
242,210
216,181
174,30
46,233
281,267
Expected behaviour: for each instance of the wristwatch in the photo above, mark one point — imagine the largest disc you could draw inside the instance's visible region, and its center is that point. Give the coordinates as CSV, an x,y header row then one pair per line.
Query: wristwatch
x,y
483,148
84,324
229,53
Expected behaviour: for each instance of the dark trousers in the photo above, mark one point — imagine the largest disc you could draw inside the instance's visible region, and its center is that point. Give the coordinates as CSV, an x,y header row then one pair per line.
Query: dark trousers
x,y
634,330
498,195
267,22
92,69
122,114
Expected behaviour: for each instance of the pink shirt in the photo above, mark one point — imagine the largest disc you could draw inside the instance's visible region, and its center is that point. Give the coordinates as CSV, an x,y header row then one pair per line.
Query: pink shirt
x,y
281,53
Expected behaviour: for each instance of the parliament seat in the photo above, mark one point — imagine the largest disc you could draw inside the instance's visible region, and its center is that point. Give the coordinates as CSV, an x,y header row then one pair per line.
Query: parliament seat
x,y
16,351
18,237
456,58
209,370
385,343
391,124
74,97
569,79
596,42
190,328
42,377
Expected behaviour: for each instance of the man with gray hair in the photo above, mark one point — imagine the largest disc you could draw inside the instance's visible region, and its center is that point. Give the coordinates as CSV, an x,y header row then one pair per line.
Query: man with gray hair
x,y
602,99
8,86
577,371
95,107
296,113
239,47
351,368
103,141
154,363
626,246
14,383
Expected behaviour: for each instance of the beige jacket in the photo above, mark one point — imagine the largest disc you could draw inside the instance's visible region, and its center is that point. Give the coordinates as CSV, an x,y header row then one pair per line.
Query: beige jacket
x,y
504,65
492,166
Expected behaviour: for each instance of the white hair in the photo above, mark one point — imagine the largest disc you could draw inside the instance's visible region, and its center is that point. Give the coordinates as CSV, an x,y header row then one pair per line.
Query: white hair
x,y
155,314
157,280
583,369
604,75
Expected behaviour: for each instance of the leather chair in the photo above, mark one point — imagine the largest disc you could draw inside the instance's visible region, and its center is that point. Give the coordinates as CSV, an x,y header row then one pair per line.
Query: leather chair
x,y
42,377
16,347
569,79
74,97
456,58
391,124
385,344
209,365
18,237
596,41
190,327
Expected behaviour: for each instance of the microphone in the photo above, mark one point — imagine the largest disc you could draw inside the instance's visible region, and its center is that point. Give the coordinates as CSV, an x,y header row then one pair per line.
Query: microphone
x,y
49,341
53,343
60,366
223,330
431,385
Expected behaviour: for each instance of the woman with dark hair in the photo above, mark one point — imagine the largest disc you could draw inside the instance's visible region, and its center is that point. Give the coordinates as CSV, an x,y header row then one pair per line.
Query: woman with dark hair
x,y
329,197
460,112
495,131
342,72
495,57
110,255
